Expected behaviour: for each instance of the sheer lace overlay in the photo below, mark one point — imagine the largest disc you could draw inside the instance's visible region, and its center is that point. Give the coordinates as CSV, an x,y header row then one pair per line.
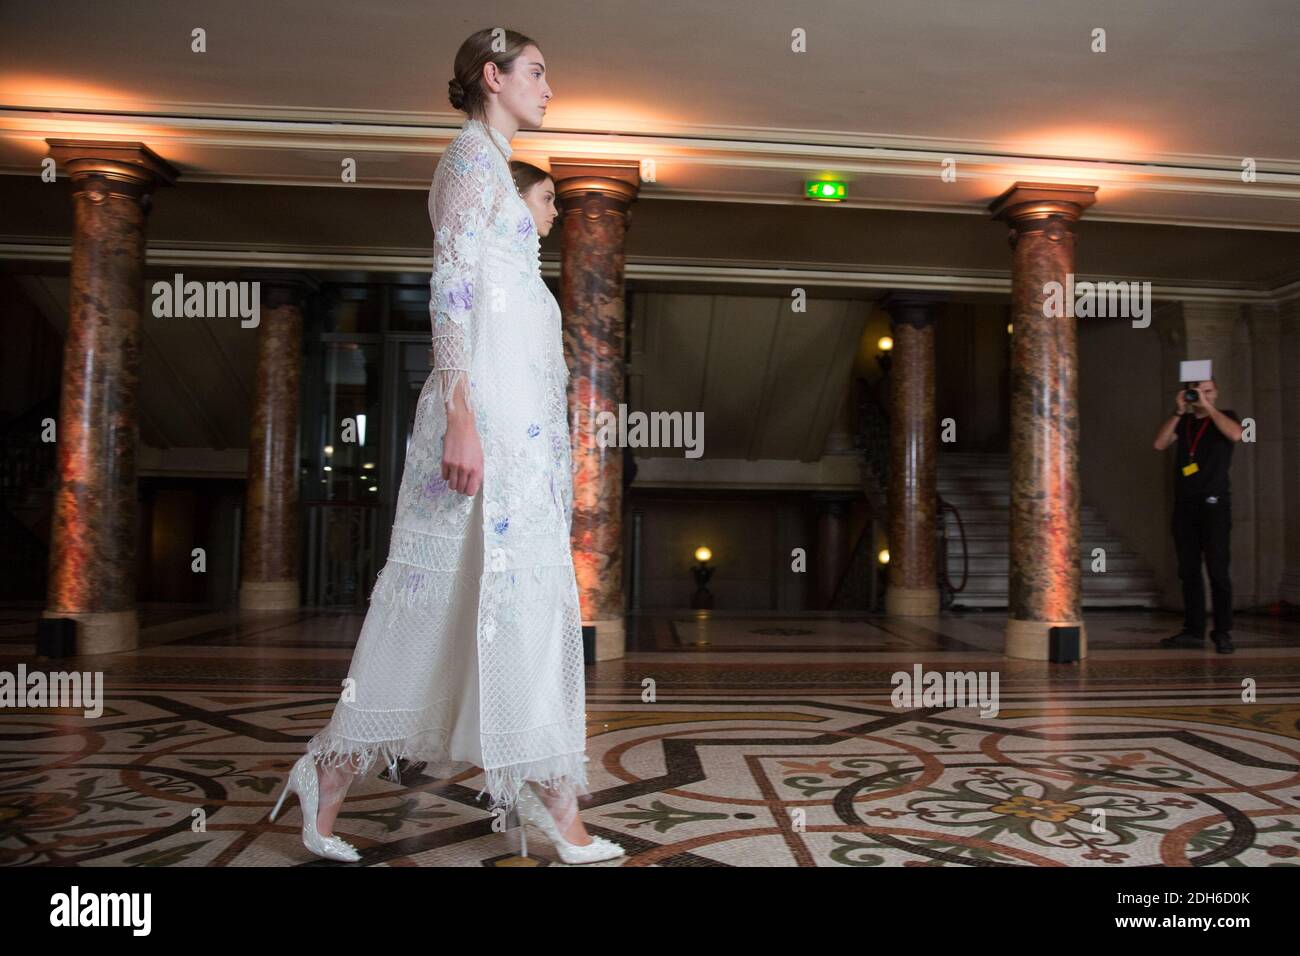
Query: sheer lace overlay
x,y
471,651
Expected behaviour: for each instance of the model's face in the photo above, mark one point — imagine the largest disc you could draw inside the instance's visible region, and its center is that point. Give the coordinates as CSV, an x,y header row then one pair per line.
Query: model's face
x,y
541,203
1209,390
524,90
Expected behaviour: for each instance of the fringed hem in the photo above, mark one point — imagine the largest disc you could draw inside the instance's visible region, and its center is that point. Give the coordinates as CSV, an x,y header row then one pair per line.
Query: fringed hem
x,y
566,774
331,750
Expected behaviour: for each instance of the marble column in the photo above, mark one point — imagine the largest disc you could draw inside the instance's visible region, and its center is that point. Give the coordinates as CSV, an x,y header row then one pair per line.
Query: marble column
x,y
832,547
1045,542
595,201
93,530
268,565
913,589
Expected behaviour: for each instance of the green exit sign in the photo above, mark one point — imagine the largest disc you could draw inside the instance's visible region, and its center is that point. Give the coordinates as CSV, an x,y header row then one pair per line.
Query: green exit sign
x,y
825,191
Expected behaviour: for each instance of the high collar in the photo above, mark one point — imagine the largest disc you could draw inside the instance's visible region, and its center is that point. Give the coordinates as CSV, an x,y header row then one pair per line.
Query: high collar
x,y
495,133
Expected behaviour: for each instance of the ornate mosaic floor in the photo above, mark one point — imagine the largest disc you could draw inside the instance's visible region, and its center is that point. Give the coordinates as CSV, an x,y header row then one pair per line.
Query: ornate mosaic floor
x,y
726,741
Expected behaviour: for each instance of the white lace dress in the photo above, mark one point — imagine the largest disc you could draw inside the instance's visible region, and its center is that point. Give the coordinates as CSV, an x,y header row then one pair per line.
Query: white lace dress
x,y
471,650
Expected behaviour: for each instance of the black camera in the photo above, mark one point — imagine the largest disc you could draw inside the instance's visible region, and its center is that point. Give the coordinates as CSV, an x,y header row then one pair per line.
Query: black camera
x,y
1191,396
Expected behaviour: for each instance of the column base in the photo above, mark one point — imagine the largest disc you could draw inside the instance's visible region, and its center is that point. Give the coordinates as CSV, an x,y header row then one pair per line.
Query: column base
x,y
103,632
1031,640
911,602
611,638
268,596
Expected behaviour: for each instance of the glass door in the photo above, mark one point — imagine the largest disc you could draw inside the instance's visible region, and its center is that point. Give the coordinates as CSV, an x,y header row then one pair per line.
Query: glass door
x,y
407,364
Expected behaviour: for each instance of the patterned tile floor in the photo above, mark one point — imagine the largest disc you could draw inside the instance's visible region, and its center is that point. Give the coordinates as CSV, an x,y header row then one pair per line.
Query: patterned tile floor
x,y
719,740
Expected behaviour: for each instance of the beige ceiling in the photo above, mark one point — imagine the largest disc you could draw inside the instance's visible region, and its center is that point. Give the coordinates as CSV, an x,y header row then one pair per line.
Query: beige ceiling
x,y
713,93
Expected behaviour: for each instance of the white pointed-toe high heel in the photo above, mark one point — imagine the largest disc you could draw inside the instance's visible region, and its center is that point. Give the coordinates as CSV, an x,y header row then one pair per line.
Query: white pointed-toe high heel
x,y
302,781
531,809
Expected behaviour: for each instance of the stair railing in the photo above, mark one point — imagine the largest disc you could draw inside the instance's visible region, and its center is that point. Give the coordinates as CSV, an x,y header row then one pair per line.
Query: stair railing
x,y
948,593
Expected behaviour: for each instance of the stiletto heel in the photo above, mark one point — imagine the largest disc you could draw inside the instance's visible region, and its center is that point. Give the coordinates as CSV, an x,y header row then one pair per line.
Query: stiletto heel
x,y
519,833
532,810
302,781
284,792
513,830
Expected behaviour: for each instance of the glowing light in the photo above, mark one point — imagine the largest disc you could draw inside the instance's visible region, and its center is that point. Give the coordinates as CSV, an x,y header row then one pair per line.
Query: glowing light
x,y
703,554
825,190
885,344
883,556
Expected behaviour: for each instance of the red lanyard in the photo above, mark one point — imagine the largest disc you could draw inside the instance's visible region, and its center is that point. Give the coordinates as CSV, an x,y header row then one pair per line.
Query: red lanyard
x,y
1193,442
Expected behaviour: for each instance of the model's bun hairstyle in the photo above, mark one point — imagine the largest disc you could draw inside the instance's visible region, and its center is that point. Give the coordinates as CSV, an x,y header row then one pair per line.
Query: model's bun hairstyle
x,y
456,93
491,44
526,175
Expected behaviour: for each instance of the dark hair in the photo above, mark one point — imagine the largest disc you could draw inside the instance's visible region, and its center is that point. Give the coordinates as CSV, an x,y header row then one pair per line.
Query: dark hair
x,y
465,89
526,175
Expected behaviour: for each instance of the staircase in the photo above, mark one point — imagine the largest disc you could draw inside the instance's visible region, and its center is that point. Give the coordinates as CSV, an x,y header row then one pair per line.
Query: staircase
x,y
27,480
978,484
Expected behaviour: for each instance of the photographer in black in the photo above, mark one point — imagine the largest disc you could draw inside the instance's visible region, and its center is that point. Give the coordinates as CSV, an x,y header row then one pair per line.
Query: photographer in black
x,y
1202,521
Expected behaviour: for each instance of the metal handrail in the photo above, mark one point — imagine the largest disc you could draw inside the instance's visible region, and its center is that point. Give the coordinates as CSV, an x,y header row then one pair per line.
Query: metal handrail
x,y
946,591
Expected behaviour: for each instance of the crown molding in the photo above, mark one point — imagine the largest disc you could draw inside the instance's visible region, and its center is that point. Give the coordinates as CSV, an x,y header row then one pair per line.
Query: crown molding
x,y
168,127
814,275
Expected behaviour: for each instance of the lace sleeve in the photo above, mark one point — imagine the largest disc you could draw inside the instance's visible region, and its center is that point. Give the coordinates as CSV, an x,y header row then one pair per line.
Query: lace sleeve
x,y
458,207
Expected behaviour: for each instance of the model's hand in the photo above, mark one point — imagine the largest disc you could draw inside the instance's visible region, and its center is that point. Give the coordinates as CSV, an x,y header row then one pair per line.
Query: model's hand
x,y
462,454
1182,403
1204,402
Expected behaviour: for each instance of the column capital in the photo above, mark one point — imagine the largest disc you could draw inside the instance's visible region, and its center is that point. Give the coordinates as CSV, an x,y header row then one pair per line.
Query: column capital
x,y
593,186
1048,208
915,308
1043,201
105,168
833,502
281,288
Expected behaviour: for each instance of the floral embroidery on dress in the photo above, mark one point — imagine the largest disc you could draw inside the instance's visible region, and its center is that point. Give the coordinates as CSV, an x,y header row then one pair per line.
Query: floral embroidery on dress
x,y
415,584
435,484
496,516
534,430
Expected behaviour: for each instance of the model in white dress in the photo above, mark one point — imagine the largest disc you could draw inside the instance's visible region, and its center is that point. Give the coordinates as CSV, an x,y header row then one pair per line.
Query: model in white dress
x,y
471,650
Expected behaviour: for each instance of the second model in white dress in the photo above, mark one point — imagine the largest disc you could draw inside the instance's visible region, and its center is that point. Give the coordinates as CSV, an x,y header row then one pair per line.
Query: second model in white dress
x,y
471,651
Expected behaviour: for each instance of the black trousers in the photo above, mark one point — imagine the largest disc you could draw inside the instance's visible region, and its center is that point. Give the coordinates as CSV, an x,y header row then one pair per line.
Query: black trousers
x,y
1203,528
